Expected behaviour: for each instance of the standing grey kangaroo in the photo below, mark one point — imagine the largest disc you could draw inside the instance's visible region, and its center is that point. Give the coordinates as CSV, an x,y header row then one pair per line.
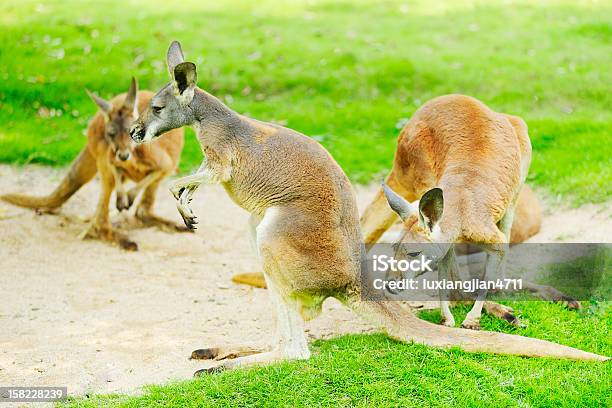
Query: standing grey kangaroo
x,y
304,225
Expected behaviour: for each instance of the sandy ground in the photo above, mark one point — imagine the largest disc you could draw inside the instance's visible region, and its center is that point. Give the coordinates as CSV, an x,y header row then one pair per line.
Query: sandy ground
x,y
86,315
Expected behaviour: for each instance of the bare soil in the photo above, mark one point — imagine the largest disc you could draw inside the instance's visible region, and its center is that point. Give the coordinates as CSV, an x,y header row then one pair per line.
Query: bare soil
x,y
94,318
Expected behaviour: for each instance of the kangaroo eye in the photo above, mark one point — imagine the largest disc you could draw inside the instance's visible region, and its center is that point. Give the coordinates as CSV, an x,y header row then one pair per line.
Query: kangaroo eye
x,y
157,109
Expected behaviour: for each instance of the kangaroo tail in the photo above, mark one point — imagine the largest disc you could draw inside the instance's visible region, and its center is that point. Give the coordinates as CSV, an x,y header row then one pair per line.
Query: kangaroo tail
x,y
253,279
377,218
82,170
401,324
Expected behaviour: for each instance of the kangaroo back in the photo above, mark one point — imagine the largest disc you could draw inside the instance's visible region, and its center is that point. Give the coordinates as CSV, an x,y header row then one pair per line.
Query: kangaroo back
x,y
479,157
81,171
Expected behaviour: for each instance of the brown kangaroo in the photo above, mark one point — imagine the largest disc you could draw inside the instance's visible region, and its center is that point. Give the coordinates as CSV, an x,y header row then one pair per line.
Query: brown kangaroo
x,y
467,165
111,151
304,225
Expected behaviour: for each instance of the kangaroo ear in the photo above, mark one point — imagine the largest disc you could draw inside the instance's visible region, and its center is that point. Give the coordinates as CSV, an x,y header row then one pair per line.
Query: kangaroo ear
x,y
431,207
105,106
130,99
174,57
185,78
397,203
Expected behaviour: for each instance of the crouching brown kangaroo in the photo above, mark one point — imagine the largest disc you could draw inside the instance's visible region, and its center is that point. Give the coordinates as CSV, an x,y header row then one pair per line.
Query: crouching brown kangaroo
x,y
111,152
467,165
304,225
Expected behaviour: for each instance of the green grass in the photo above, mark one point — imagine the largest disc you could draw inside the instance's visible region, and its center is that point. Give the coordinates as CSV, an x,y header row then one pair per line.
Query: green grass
x,y
374,371
346,73
343,72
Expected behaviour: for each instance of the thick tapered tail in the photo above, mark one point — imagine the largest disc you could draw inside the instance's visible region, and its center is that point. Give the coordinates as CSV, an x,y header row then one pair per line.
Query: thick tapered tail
x,y
377,218
401,324
81,171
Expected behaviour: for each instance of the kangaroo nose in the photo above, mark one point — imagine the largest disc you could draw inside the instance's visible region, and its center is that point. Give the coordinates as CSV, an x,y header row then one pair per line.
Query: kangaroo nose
x,y
123,156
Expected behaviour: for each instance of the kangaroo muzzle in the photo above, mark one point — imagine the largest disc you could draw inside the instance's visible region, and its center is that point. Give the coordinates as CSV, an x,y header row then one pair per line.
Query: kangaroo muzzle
x,y
123,155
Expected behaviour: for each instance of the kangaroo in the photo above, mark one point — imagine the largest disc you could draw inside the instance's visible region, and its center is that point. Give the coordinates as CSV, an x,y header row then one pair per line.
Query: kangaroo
x,y
467,164
111,151
304,225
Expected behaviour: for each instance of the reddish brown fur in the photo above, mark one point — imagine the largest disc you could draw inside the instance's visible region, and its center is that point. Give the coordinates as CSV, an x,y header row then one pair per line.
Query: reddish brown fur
x,y
433,150
160,158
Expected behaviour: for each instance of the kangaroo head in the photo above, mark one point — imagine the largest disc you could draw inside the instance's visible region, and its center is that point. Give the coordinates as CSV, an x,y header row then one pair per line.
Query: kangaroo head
x,y
420,224
118,120
170,107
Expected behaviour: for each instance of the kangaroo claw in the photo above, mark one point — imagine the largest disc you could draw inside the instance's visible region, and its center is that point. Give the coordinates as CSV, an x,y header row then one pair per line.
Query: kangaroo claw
x,y
188,217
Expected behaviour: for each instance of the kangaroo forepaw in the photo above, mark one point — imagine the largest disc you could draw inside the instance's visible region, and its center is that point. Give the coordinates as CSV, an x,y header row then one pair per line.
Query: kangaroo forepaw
x,y
123,202
131,197
188,217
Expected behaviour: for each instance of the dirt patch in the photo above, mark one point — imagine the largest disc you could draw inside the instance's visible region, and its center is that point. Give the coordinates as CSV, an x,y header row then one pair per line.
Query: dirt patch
x,y
89,316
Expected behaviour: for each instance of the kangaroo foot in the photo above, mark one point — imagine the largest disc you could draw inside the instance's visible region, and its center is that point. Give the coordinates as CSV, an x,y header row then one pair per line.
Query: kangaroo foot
x,y
210,370
471,323
106,233
552,295
150,220
47,210
255,359
503,312
225,353
448,322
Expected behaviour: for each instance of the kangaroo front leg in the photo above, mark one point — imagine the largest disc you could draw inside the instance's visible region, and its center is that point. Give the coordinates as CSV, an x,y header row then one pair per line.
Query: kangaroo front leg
x,y
184,188
444,266
494,267
122,201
